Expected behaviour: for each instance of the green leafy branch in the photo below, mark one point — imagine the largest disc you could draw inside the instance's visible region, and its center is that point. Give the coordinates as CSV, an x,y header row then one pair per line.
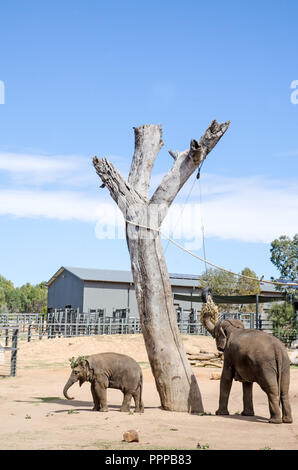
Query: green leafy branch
x,y
74,362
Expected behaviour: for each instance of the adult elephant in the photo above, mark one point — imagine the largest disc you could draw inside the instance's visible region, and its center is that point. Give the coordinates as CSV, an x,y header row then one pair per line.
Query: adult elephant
x,y
251,356
108,370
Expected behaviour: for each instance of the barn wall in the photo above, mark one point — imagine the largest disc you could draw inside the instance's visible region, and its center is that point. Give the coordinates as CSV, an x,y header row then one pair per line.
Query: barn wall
x,y
187,291
112,295
109,295
67,289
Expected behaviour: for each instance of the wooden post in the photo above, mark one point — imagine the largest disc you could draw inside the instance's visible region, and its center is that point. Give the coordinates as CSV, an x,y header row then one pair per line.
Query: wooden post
x,y
40,327
175,381
77,321
14,351
29,332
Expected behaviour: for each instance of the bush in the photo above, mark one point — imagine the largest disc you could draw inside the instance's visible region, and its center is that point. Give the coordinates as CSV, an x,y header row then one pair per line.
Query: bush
x,y
284,322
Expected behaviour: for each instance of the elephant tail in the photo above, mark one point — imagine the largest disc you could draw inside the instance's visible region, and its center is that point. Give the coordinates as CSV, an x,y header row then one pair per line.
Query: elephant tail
x,y
279,361
141,392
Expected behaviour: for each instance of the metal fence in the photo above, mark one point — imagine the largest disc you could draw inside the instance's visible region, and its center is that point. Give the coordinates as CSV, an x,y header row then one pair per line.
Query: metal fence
x,y
8,350
70,323
105,326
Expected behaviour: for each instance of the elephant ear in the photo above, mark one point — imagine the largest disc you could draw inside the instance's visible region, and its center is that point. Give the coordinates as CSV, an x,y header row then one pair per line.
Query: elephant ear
x,y
220,336
89,367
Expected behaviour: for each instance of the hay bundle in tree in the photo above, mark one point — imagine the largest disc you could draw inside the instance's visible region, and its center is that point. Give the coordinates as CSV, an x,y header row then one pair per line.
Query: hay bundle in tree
x,y
209,309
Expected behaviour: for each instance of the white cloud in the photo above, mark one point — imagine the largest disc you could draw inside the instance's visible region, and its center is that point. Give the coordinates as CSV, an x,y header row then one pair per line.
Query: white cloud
x,y
31,170
60,205
251,209
62,170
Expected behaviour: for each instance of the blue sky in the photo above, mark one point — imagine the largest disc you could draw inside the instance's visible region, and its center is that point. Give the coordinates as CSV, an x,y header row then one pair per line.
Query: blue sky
x,y
78,76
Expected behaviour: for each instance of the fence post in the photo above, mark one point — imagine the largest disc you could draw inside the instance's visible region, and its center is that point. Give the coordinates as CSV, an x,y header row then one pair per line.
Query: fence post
x,y
257,311
40,326
77,321
29,332
14,350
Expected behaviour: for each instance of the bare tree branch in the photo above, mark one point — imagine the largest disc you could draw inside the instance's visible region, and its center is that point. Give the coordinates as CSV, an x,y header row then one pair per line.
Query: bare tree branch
x,y
123,193
185,164
148,143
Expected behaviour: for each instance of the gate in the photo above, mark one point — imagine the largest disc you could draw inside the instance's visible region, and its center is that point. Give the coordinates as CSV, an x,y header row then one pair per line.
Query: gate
x,y
8,350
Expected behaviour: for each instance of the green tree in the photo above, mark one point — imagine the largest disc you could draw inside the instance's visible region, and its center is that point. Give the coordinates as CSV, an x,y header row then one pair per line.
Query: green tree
x,y
25,299
32,298
224,283
283,317
248,287
284,255
6,289
221,282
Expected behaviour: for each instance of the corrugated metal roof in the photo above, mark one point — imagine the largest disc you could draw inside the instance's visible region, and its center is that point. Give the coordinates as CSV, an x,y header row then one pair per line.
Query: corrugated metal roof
x,y
110,275
113,275
91,274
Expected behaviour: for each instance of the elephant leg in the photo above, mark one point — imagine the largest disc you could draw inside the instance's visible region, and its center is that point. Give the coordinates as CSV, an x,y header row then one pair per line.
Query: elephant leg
x,y
269,385
101,393
248,409
225,388
95,399
275,415
139,407
126,402
284,397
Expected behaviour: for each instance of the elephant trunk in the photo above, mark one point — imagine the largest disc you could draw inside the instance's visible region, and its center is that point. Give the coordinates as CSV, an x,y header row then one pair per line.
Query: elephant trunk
x,y
209,312
68,384
207,323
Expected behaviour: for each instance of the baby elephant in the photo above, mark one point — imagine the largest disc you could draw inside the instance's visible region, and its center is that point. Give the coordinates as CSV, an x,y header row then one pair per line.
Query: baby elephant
x,y
108,370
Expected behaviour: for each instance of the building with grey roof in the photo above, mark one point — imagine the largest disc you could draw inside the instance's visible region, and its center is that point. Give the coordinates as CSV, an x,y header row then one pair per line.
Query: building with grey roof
x,y
112,292
89,289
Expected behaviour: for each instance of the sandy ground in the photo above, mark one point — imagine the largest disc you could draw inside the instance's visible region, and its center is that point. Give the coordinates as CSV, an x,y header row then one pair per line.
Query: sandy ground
x,y
35,415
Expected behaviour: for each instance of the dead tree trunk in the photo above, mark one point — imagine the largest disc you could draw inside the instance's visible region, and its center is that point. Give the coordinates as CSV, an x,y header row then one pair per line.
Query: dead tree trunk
x,y
175,381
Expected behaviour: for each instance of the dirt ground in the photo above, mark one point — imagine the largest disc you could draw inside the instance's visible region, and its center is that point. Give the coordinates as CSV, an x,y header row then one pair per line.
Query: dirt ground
x,y
35,415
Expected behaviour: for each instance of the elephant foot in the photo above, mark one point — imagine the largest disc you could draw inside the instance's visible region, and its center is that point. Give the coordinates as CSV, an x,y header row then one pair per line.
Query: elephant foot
x,y
139,410
125,409
275,420
247,413
222,412
287,419
104,410
96,408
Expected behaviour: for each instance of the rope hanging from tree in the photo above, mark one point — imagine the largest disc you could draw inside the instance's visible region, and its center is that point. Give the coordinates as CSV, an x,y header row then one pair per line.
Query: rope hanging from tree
x,y
287,284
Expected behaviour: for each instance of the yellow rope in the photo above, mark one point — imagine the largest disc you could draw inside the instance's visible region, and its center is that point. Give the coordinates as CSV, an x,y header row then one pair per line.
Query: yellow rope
x,y
209,262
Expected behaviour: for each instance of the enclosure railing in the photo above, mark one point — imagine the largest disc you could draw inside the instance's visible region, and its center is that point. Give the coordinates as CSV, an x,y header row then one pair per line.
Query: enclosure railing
x,y
8,350
71,323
